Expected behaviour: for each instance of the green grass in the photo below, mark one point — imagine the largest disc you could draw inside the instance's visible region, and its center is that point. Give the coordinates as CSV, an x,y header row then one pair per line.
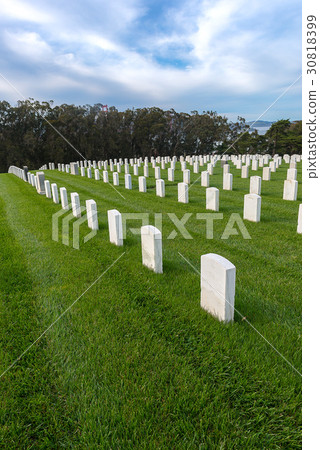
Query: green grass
x,y
136,363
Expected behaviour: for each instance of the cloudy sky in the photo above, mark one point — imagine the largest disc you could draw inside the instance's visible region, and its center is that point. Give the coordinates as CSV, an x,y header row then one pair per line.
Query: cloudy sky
x,y
235,57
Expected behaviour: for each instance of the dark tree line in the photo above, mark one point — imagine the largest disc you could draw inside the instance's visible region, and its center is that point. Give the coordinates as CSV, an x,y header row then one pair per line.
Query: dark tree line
x,y
32,134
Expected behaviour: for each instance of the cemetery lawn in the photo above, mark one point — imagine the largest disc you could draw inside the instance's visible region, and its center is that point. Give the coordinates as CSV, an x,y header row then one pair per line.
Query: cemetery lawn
x,y
135,362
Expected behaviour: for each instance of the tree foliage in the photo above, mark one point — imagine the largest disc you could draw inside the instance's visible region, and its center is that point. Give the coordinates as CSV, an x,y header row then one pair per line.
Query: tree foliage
x,y
33,133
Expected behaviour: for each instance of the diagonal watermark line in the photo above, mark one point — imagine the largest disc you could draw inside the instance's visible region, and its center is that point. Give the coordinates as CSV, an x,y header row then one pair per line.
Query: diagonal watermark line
x,y
44,118
261,115
116,190
245,319
112,184
61,315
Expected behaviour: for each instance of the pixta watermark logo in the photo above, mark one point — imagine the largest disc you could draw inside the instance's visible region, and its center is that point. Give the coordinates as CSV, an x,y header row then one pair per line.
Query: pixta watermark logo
x,y
235,225
65,227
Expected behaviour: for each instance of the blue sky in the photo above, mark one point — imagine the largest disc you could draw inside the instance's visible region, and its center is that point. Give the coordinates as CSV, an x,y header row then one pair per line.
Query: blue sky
x,y
231,56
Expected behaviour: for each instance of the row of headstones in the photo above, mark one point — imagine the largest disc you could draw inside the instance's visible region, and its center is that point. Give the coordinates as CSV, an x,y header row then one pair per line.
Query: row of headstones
x,y
227,179
116,166
252,201
217,273
251,208
21,173
290,188
198,160
44,187
216,297
261,160
289,192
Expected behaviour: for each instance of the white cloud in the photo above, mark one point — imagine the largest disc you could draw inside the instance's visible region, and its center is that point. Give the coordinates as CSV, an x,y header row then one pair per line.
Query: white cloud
x,y
23,11
202,49
28,45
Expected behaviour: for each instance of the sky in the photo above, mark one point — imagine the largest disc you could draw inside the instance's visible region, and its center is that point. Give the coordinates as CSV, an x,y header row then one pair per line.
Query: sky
x,y
235,57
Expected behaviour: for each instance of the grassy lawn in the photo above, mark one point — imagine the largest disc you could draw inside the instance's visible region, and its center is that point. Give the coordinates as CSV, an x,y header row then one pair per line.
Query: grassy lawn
x,y
136,363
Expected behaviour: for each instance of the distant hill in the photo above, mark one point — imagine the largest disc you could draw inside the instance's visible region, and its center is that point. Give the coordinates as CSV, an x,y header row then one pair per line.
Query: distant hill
x,y
260,123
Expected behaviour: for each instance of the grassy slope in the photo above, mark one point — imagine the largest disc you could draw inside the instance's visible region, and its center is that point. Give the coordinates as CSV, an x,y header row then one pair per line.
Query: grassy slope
x,y
136,362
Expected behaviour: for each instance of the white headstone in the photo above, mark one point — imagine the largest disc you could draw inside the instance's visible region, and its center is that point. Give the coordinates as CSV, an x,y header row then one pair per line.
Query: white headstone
x,y
273,166
146,171
115,179
266,173
218,280
244,171
40,183
195,167
183,196
170,174
74,168
254,164
160,188
290,190
115,227
97,174
299,227
291,174
142,184
75,204
89,172
127,181
47,188
205,179
212,199
105,176
135,170
55,194
210,169
92,214
151,244
64,198
227,181
255,185
186,176
157,173
83,171
252,207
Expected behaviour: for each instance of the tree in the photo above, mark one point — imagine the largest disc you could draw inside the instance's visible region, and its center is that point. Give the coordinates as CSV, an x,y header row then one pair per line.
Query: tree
x,y
276,136
34,133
